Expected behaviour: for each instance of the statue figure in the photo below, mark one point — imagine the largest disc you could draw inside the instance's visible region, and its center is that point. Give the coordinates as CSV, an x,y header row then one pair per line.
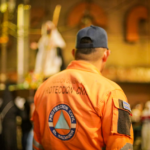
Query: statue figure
x,y
48,59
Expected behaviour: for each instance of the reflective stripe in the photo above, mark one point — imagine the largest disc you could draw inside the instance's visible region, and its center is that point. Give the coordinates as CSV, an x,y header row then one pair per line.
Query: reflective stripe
x,y
127,146
38,145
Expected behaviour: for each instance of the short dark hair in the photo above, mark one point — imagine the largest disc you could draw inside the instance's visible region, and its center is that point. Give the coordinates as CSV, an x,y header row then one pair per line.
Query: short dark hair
x,y
85,50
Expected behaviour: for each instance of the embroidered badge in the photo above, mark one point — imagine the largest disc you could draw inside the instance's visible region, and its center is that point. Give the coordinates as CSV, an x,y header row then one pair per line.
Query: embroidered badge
x,y
126,106
62,122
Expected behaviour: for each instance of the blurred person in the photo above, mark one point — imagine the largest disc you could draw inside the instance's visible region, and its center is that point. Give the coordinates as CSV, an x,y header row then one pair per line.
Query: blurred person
x,y
26,108
49,59
78,108
30,136
137,125
137,112
1,101
146,127
8,113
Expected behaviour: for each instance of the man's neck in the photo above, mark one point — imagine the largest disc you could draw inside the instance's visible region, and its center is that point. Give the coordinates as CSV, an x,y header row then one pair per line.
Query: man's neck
x,y
98,64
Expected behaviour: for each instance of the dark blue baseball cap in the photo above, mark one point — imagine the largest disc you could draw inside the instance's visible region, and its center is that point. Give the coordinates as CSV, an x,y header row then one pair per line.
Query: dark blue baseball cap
x,y
97,34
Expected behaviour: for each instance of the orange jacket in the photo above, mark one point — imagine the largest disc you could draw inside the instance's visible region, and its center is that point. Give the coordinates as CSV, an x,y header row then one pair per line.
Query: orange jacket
x,y
79,109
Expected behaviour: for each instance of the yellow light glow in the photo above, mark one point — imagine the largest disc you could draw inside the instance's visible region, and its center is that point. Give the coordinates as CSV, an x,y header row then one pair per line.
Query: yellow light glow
x,y
3,7
26,7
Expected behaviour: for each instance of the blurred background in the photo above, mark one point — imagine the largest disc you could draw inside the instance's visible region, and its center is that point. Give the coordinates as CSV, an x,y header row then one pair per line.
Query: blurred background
x,y
35,35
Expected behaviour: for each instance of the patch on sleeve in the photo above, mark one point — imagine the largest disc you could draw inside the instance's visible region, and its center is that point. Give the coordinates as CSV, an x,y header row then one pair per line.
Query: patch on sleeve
x,y
124,105
128,146
124,122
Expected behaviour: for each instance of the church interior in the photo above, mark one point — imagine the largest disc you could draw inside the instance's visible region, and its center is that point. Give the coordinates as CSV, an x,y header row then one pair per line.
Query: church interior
x,y
23,24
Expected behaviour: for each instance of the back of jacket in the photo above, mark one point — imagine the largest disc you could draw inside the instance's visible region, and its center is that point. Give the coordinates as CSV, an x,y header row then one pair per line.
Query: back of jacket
x,y
79,109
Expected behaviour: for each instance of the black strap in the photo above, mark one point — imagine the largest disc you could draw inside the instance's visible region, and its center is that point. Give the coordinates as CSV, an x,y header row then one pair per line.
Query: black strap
x,y
103,148
6,109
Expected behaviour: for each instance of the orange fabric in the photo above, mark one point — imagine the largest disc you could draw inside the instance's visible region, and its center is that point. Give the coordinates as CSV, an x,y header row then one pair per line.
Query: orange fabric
x,y
75,109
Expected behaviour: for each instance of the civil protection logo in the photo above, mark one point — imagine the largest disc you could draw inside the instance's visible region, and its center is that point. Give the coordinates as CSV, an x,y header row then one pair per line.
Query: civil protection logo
x,y
62,122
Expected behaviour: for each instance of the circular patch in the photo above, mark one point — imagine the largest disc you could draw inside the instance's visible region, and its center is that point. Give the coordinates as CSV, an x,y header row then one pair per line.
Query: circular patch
x,y
62,122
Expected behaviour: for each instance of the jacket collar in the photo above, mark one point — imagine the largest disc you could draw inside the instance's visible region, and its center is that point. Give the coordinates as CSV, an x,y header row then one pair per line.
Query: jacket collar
x,y
83,65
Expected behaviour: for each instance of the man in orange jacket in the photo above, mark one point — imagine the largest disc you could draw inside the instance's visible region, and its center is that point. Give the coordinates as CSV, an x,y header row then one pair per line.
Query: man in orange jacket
x,y
78,108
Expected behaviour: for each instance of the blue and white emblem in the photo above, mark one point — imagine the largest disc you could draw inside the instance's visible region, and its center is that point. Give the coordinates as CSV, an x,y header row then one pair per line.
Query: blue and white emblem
x,y
126,106
62,122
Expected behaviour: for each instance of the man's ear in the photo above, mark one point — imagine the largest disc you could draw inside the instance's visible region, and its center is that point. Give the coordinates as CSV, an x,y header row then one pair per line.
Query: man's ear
x,y
105,56
73,53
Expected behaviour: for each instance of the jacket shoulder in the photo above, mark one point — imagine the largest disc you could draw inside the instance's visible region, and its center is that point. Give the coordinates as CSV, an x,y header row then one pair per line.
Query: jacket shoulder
x,y
109,84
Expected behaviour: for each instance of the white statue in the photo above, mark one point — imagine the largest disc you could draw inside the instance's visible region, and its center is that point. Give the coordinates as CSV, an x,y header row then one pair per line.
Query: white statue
x,y
146,127
47,60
